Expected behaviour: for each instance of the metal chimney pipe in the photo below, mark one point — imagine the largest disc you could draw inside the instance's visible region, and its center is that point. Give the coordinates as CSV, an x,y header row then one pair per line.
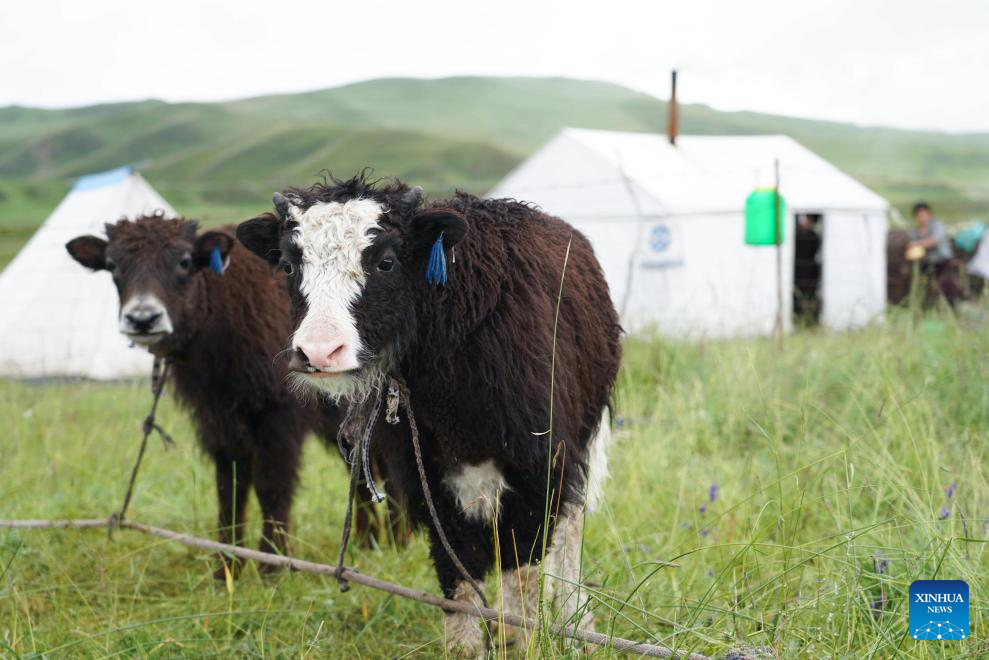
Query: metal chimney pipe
x,y
673,128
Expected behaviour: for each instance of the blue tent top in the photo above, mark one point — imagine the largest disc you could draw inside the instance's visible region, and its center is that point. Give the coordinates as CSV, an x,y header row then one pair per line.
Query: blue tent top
x,y
101,179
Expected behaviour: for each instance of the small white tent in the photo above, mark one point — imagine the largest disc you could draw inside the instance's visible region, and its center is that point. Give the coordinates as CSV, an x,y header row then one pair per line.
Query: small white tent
x,y
59,319
667,224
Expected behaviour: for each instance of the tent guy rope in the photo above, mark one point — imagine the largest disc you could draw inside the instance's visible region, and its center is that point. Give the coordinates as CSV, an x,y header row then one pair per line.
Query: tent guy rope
x,y
352,575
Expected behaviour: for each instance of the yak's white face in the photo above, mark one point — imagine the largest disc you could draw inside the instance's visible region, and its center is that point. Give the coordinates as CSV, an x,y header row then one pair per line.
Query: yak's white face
x,y
332,237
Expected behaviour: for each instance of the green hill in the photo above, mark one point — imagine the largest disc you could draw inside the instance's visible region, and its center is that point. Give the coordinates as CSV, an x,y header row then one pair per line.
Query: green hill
x,y
220,161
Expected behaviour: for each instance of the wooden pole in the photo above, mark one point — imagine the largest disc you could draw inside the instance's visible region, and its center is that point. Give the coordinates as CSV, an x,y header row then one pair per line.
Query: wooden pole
x,y
673,125
778,328
351,575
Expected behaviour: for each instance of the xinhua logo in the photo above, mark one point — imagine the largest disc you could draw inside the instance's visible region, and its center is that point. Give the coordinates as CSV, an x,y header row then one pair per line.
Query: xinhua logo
x,y
939,610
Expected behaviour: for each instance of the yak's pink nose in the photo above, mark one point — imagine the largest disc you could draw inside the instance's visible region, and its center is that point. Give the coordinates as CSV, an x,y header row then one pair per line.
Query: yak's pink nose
x,y
324,355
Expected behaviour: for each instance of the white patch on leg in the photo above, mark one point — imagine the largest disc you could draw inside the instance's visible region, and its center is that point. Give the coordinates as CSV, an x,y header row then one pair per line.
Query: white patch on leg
x,y
464,637
597,463
477,489
563,565
520,596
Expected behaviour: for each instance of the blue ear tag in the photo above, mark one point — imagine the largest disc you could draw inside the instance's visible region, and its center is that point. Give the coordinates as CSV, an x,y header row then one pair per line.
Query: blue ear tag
x,y
436,270
216,261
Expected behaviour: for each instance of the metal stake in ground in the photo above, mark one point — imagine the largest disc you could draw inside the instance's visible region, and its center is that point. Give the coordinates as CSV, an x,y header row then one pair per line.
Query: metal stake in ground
x,y
159,371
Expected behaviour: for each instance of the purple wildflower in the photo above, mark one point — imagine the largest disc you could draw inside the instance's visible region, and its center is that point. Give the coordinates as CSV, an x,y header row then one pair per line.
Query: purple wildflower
x,y
703,509
879,563
712,492
704,531
944,512
950,490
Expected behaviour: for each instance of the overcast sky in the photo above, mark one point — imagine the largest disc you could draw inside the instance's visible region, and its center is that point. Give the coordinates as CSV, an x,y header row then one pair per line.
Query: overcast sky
x,y
907,63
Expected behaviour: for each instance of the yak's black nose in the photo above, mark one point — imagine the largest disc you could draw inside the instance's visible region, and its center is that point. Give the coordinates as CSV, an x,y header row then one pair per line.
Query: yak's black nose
x,y
142,319
300,361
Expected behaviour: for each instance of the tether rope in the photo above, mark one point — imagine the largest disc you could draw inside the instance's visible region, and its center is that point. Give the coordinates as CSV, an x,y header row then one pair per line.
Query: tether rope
x,y
159,372
350,574
403,392
397,394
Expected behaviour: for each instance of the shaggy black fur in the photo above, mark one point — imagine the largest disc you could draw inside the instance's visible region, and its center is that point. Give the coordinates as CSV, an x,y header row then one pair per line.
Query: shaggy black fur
x,y
227,361
477,353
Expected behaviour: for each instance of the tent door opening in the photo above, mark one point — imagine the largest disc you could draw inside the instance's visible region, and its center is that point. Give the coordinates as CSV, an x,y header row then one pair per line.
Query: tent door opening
x,y
808,235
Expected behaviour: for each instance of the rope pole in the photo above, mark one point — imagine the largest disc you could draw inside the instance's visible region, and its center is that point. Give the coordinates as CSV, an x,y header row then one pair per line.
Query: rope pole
x,y
351,575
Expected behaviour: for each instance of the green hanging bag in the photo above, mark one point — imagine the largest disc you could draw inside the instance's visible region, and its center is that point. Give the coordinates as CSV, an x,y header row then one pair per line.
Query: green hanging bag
x,y
760,217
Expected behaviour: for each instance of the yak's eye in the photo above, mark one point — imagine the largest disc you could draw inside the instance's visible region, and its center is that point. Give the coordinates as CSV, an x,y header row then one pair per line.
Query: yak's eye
x,y
185,263
386,264
111,265
286,266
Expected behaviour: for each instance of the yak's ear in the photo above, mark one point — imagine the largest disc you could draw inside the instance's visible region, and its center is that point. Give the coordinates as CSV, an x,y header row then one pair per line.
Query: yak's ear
x,y
90,251
212,249
428,224
261,235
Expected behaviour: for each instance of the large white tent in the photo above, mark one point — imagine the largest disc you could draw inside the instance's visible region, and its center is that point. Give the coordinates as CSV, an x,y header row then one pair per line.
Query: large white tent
x,y
667,224
60,319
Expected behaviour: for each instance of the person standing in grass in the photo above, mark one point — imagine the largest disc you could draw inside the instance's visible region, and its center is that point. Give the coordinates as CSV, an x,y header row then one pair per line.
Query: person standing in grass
x,y
931,236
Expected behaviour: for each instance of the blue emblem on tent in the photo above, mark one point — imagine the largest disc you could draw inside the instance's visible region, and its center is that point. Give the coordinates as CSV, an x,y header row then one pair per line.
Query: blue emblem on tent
x,y
659,238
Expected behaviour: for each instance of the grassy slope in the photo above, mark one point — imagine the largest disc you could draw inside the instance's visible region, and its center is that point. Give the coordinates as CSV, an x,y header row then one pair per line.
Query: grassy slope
x,y
836,449
220,161
523,113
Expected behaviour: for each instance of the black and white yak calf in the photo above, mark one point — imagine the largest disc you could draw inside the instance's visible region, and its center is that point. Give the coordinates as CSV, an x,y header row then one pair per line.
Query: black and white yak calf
x,y
459,299
220,316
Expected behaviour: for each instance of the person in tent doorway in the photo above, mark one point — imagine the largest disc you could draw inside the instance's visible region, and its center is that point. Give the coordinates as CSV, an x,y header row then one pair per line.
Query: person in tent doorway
x,y
807,269
933,239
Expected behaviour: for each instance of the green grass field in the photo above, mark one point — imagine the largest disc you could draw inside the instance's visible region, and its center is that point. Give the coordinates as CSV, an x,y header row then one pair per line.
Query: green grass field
x,y
831,457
